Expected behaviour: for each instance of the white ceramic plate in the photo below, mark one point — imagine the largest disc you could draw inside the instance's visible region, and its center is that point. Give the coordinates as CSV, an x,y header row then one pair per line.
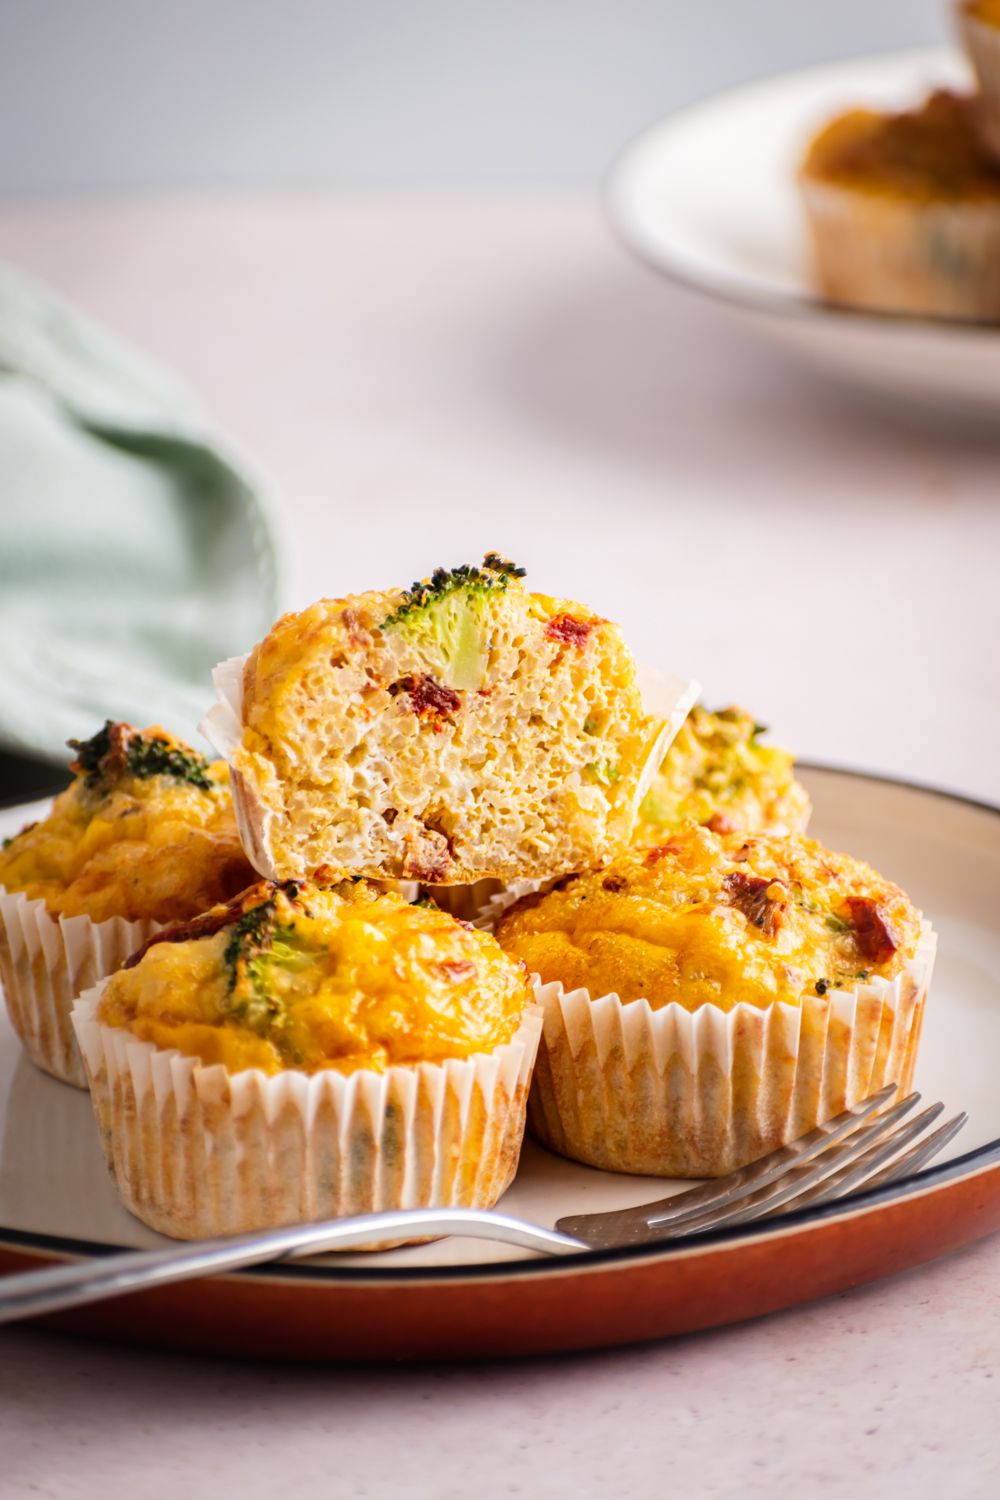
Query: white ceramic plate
x,y
945,853
708,196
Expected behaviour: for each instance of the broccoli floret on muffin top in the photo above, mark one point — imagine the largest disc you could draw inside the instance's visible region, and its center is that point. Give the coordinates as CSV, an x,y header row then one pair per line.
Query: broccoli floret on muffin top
x,y
146,830
448,616
118,750
310,977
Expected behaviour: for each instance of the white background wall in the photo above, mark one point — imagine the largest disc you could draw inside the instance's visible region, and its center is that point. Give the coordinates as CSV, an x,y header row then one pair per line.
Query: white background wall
x,y
125,94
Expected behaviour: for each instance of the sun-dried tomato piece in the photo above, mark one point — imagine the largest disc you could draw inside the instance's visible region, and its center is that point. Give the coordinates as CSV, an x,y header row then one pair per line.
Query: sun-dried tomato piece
x,y
428,697
660,851
749,894
429,857
874,933
213,921
457,968
429,870
720,824
570,629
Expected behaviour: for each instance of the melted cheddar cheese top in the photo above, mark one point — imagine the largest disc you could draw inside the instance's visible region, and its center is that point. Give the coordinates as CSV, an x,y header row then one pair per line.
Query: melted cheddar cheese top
x,y
298,976
145,830
720,919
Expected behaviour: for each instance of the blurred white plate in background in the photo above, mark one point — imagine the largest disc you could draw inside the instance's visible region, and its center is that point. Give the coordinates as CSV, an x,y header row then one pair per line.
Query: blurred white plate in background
x,y
708,196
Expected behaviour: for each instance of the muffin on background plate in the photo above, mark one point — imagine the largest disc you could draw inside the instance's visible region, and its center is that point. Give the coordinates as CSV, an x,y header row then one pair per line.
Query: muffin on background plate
x,y
712,998
979,31
306,1053
459,729
144,835
904,210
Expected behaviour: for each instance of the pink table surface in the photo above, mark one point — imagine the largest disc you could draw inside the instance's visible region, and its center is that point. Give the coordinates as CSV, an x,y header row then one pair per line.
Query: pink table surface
x,y
425,378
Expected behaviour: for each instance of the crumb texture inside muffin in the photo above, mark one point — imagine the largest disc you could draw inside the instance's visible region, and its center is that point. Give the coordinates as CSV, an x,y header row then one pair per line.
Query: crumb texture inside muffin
x,y
717,771
464,728
145,830
717,918
297,976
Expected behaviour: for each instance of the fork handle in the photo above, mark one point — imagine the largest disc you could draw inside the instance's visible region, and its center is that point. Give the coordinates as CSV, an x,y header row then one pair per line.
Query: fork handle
x,y
32,1293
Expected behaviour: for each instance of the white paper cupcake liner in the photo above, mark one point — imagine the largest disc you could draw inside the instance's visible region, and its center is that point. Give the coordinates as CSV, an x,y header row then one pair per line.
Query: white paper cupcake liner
x,y
663,696
222,726
495,906
45,962
936,258
197,1151
678,1093
982,44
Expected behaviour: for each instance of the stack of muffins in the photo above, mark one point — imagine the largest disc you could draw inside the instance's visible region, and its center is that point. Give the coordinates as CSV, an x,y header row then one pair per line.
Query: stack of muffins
x,y
630,899
904,208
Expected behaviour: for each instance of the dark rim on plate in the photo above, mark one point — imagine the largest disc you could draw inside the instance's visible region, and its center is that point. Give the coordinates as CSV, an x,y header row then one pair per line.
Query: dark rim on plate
x,y
969,1164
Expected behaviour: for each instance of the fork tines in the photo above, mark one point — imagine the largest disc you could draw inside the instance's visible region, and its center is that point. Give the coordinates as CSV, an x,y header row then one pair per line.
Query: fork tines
x,y
858,1148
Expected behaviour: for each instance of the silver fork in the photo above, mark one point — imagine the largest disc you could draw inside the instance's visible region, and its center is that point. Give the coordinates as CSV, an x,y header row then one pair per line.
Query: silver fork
x,y
860,1146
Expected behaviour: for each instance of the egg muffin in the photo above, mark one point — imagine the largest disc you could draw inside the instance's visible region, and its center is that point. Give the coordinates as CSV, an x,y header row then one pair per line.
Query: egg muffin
x,y
306,1052
459,729
904,210
144,835
711,998
718,772
979,32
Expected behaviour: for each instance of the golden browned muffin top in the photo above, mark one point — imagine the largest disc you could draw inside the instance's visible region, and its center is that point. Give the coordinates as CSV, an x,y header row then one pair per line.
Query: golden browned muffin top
x,y
717,771
717,918
146,830
987,11
301,976
921,155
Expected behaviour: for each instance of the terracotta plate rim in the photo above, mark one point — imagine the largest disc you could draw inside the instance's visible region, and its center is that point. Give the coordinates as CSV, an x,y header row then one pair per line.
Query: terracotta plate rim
x,y
963,1168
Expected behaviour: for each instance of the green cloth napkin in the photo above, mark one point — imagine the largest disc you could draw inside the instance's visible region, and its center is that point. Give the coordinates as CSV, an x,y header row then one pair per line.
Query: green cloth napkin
x,y
135,551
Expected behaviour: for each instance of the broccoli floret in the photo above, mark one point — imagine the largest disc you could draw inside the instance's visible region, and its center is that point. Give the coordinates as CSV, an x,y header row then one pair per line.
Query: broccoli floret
x,y
446,615
262,945
118,749
603,771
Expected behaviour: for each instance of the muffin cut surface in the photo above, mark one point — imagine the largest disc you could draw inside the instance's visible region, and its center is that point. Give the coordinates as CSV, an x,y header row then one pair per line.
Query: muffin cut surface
x,y
459,729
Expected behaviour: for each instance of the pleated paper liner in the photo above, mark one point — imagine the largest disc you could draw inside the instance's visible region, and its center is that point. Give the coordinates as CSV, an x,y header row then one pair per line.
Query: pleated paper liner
x,y
678,1093
45,962
936,258
197,1151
